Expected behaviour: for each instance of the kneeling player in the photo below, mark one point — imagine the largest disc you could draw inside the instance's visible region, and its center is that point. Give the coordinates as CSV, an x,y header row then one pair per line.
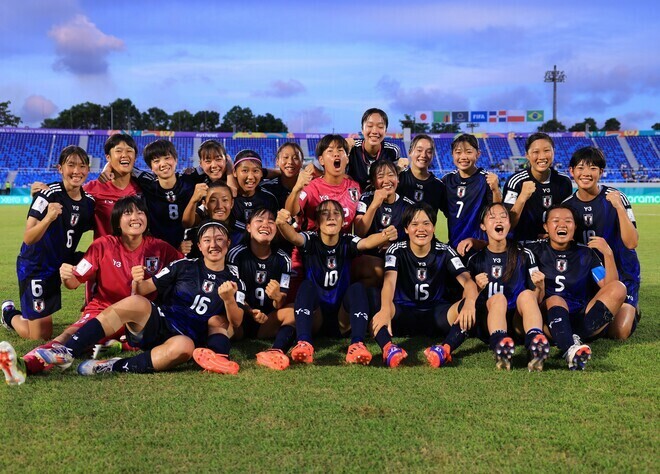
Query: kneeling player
x,y
324,300
574,306
413,297
198,300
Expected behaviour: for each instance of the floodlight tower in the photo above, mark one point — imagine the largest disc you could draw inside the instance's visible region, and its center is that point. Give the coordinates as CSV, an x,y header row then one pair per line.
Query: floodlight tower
x,y
554,76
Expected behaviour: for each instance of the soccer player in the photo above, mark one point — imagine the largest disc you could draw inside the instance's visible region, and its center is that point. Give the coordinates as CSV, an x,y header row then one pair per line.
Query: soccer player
x,y
530,192
377,210
266,274
468,189
606,212
581,296
510,290
413,297
248,173
372,147
167,192
416,182
198,300
215,164
289,159
325,300
57,218
108,262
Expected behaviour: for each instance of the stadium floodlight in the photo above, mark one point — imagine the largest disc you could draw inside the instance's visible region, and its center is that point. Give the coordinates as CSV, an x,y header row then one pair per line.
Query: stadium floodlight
x,y
554,76
471,126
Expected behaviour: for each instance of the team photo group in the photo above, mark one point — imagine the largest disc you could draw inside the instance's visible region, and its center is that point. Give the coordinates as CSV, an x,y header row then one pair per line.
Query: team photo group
x,y
184,263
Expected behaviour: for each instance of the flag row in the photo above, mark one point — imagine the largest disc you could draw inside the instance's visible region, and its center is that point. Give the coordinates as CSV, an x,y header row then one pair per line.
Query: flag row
x,y
493,116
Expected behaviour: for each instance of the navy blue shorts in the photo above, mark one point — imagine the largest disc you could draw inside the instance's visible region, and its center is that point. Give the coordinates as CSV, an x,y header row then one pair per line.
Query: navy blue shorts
x,y
409,321
40,297
155,332
632,292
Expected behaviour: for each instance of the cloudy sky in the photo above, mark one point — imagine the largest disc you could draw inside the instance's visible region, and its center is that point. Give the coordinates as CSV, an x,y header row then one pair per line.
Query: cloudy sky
x,y
318,65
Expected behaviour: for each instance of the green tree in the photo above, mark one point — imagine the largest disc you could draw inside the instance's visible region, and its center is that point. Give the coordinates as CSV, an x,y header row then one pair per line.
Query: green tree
x,y
238,119
155,119
552,126
125,115
7,119
183,120
86,116
656,126
206,121
409,122
582,126
270,123
437,127
612,125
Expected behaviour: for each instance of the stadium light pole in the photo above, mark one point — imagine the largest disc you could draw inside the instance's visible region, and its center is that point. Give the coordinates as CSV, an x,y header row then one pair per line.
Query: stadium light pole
x,y
554,76
471,126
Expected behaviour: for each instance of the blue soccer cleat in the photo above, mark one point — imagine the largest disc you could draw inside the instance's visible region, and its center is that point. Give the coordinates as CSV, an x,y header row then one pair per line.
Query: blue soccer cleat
x,y
96,367
57,355
393,355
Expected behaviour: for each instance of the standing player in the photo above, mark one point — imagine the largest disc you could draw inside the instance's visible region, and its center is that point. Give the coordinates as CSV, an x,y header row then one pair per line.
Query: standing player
x,y
215,165
372,147
289,159
581,296
57,218
606,212
530,192
325,300
266,274
167,193
468,189
416,182
413,299
198,299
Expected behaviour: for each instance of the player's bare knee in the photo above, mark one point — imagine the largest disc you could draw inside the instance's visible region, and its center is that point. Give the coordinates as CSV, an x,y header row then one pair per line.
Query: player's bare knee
x,y
556,301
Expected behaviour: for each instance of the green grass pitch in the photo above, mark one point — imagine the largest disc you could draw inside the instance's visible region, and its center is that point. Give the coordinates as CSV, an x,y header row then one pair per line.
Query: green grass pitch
x,y
332,417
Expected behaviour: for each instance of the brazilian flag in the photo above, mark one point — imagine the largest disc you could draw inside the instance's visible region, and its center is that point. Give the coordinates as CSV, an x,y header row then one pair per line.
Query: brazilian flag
x,y
535,115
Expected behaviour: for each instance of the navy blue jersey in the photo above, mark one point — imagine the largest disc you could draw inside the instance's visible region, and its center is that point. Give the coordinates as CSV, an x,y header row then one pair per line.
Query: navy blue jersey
x,y
431,191
244,206
386,215
464,199
329,267
552,192
59,242
568,273
598,217
277,189
494,265
166,206
359,161
257,273
188,296
421,282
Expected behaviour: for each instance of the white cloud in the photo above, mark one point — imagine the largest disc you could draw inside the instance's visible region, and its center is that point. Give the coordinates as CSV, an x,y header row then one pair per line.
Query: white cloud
x,y
36,108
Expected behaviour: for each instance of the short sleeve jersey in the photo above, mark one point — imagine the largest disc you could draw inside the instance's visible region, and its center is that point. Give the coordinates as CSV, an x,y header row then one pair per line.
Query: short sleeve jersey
x,y
110,262
598,217
359,161
568,273
188,296
277,189
387,214
256,273
106,195
494,265
166,206
59,242
431,190
463,202
329,268
244,206
554,191
347,193
421,282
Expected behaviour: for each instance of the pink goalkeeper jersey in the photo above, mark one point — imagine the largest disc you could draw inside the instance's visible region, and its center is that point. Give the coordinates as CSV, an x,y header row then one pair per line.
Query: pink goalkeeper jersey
x,y
347,193
106,195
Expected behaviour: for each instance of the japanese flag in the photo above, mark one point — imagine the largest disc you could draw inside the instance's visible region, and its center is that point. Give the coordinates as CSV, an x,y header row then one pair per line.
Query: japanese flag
x,y
425,116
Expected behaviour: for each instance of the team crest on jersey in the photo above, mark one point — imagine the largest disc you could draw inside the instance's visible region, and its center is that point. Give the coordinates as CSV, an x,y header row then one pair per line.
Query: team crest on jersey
x,y
170,196
421,274
496,271
588,219
331,262
152,264
547,201
419,195
260,277
385,219
38,305
353,193
561,264
460,191
207,286
75,217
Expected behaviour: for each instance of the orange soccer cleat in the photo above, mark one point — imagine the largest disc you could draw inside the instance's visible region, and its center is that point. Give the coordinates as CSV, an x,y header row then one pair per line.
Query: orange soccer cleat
x,y
273,359
214,362
438,355
303,353
393,355
358,354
